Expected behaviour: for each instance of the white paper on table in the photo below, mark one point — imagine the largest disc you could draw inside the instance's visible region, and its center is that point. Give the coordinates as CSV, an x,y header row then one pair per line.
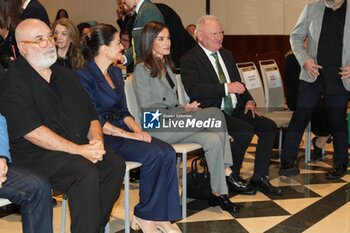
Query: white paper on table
x,y
273,78
251,79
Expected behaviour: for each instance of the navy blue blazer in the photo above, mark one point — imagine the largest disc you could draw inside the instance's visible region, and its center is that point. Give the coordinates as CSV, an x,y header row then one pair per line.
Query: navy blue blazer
x,y
106,99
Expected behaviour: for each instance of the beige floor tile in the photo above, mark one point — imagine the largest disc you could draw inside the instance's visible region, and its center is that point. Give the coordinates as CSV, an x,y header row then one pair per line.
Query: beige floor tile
x,y
210,214
259,225
295,205
338,221
324,189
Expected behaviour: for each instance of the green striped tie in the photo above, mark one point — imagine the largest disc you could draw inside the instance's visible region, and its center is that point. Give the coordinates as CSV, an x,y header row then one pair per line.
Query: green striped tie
x,y
228,107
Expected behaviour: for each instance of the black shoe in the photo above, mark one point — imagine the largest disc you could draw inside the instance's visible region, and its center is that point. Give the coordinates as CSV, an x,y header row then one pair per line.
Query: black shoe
x,y
337,172
238,185
317,153
264,186
224,202
288,169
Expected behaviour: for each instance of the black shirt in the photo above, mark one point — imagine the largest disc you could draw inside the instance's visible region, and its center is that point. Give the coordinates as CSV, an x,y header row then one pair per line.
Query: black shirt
x,y
28,102
330,49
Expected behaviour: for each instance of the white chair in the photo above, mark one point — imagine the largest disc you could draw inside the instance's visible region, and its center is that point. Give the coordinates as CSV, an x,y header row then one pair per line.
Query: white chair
x,y
4,202
183,97
251,78
274,95
129,166
181,148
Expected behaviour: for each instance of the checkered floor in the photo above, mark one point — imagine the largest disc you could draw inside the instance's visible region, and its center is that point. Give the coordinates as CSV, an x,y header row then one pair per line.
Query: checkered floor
x,y
310,203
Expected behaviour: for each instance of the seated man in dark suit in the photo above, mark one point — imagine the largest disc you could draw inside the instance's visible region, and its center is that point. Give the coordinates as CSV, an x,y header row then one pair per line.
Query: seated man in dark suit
x,y
54,130
211,78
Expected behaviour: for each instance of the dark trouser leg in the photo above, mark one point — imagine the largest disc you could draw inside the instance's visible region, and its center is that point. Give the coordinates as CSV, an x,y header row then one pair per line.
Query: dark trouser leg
x,y
83,182
336,109
308,97
159,195
33,194
266,131
242,133
111,175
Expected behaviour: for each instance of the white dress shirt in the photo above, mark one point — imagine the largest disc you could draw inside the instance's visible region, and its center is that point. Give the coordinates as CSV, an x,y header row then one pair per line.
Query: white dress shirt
x,y
213,63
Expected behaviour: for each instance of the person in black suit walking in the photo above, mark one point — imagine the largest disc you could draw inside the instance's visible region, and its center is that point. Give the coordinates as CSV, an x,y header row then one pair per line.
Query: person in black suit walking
x,y
211,78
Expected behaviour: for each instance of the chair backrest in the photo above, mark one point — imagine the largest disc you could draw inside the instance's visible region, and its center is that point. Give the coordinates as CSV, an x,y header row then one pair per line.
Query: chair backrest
x,y
251,78
4,202
273,85
182,95
131,100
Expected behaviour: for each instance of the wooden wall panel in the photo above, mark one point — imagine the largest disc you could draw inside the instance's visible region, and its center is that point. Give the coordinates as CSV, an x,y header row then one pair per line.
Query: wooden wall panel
x,y
246,48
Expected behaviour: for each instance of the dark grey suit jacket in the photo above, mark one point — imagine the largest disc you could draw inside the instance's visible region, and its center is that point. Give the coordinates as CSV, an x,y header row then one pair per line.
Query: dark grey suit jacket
x,y
201,81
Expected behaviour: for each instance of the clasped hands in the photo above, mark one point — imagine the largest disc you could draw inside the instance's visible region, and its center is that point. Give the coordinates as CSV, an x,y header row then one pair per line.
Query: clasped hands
x,y
93,151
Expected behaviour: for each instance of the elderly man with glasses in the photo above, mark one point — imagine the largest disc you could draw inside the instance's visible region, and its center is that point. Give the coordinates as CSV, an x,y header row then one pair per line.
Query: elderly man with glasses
x,y
211,78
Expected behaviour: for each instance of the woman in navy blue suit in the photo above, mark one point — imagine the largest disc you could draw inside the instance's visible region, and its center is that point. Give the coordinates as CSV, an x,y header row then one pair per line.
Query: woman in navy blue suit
x,y
159,197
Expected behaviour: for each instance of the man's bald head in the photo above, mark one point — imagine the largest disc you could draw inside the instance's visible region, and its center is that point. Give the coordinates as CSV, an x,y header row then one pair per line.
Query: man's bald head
x,y
35,43
29,27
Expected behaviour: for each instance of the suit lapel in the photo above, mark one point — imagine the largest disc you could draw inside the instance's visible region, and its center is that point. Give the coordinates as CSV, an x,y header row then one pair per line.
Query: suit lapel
x,y
204,60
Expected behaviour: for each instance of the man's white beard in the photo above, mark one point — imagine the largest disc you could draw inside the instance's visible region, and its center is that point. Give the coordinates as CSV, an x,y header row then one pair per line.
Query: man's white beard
x,y
329,3
43,60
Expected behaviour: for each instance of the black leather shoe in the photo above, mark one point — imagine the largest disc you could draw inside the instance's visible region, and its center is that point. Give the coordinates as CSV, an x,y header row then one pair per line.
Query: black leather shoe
x,y
317,153
224,202
238,185
288,169
264,186
337,172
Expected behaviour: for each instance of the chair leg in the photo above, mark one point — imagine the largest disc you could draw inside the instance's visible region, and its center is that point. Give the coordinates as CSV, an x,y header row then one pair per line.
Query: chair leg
x,y
126,202
184,185
107,228
280,138
308,143
63,214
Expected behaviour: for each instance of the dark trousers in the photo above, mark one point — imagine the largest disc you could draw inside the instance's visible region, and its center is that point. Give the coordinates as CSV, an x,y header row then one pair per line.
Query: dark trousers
x,y
33,194
336,106
242,128
92,190
159,195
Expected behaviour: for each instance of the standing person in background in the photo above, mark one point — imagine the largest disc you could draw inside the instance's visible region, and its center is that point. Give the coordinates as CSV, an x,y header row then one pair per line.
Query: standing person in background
x,y
182,41
61,13
146,12
126,16
191,28
159,196
319,119
68,43
325,72
34,9
10,13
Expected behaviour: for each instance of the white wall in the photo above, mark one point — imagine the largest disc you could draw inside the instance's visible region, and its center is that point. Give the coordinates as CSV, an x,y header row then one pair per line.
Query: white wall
x,y
238,17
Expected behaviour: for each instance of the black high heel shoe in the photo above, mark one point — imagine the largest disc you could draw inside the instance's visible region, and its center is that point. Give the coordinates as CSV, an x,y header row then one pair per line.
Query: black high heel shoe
x,y
317,153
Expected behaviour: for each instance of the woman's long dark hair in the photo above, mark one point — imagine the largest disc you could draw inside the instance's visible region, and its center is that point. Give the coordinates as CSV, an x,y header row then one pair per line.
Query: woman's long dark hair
x,y
58,15
148,36
101,34
10,14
